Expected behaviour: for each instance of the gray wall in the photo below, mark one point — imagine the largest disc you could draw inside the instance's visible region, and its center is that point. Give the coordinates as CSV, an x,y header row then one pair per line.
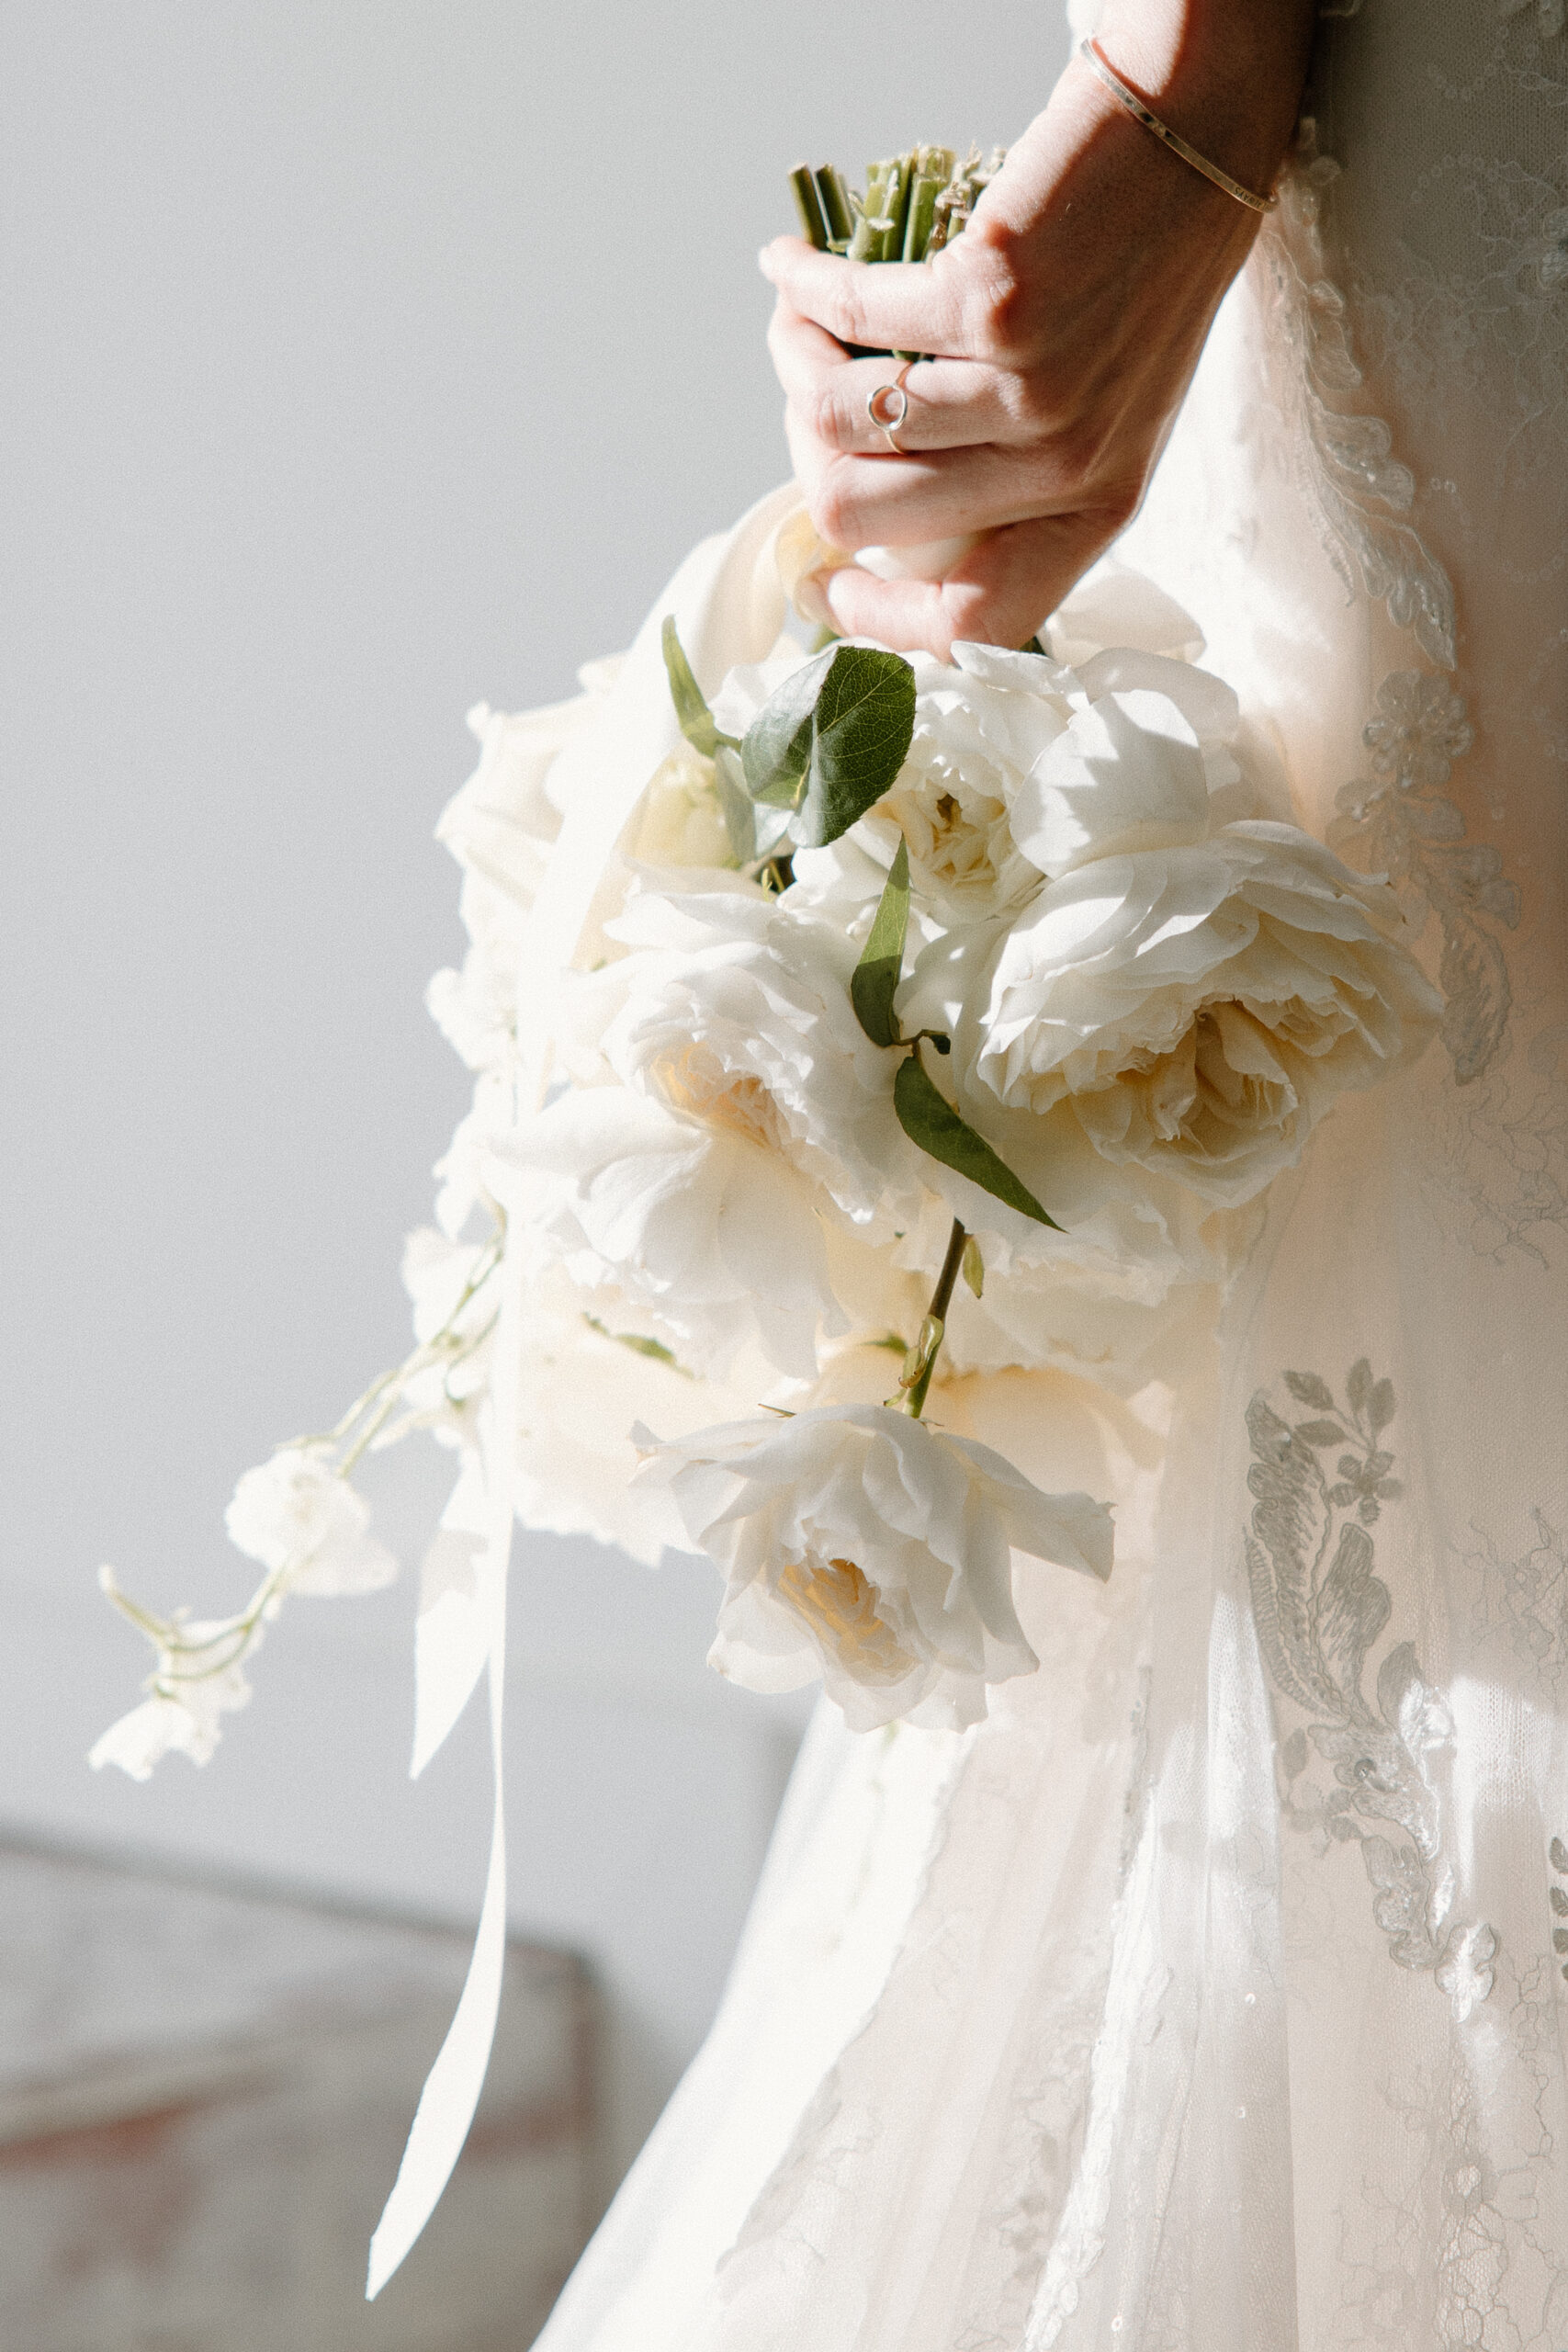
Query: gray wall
x,y
361,361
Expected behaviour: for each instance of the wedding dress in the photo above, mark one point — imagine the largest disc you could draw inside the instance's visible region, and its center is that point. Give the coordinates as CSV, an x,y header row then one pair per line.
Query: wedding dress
x,y
1211,1996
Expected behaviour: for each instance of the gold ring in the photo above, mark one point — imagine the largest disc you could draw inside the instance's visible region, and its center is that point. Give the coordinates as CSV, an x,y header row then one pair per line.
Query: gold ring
x,y
887,423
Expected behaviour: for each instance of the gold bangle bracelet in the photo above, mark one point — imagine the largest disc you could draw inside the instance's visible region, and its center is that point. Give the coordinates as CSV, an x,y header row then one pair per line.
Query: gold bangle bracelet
x,y
1094,57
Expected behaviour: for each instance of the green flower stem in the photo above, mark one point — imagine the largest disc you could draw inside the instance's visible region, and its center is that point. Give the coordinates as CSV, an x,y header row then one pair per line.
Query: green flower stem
x,y
922,214
834,198
813,227
866,242
895,208
942,1299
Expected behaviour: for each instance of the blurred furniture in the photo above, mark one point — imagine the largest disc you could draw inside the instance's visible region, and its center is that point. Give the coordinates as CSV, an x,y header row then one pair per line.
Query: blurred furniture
x,y
204,2094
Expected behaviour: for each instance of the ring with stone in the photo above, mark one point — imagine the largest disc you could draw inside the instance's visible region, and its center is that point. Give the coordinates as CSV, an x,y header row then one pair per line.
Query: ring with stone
x,y
884,415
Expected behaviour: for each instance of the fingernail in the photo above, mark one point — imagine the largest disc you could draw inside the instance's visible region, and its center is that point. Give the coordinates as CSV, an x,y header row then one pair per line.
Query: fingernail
x,y
811,602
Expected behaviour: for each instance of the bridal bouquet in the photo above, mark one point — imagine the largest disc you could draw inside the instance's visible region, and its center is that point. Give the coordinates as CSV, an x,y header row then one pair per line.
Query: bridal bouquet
x,y
854,1039
844,1034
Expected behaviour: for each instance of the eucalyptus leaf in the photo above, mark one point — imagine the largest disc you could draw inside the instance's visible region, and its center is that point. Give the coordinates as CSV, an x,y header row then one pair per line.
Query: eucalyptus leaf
x,y
875,982
697,723
931,1121
830,740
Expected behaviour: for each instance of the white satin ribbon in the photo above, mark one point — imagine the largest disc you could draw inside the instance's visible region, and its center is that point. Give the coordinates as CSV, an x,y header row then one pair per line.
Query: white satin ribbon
x,y
729,607
452,2088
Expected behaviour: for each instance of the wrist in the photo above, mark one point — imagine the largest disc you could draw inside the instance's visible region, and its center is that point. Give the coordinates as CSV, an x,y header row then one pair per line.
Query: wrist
x,y
1226,74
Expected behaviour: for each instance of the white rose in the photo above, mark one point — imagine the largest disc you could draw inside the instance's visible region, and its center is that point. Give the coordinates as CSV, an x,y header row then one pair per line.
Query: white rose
x,y
678,821
1195,1002
595,1363
736,1010
702,1222
460,1173
501,825
1126,1231
866,1547
296,1509
476,1007
981,722
1114,605
1138,766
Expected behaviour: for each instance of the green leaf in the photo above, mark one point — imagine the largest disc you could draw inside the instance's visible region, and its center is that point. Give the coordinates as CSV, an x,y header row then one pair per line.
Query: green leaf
x,y
974,1266
776,755
931,1121
690,706
830,740
875,982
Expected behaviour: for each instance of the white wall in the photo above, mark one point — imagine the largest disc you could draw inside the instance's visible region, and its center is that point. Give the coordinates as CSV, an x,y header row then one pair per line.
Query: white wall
x,y
361,361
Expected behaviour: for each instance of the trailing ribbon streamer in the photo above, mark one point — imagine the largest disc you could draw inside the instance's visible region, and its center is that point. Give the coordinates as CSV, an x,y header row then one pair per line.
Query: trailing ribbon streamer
x,y
729,602
452,2088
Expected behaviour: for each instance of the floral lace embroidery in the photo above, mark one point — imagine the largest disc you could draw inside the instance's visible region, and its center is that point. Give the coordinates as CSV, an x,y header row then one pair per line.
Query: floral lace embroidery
x,y
1356,484
1557,1855
1320,1607
1413,832
1550,14
1522,1606
1460,2234
1497,1176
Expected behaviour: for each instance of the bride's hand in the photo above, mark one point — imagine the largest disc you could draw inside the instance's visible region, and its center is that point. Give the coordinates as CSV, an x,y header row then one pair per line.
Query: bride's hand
x,y
1069,317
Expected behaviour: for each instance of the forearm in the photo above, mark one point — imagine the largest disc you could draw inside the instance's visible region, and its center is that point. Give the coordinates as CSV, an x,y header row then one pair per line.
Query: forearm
x,y
1227,74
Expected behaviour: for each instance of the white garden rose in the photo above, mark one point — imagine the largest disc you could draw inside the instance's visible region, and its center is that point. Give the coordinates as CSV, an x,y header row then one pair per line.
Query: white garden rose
x,y
501,828
1195,993
697,1218
297,1513
678,821
981,722
595,1363
737,1010
867,1548
1112,605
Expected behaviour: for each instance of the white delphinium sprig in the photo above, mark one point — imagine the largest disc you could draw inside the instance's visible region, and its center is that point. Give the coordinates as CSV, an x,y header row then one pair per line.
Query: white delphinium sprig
x,y
299,1515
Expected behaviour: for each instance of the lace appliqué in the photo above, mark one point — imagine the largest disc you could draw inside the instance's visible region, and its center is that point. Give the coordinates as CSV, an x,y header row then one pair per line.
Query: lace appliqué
x,y
1557,1855
1357,488
1320,1607
1411,830
1521,1607
1550,14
